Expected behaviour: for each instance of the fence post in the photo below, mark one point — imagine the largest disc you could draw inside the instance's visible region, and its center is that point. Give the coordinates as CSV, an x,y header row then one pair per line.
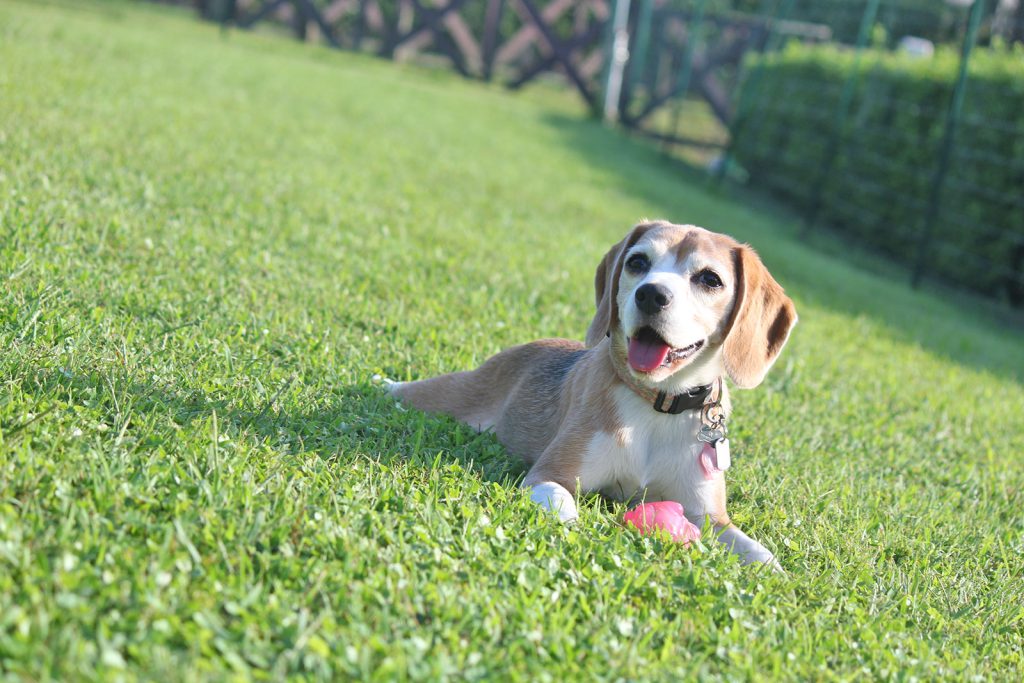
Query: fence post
x,y
845,101
747,100
641,42
683,82
492,32
952,122
300,19
616,56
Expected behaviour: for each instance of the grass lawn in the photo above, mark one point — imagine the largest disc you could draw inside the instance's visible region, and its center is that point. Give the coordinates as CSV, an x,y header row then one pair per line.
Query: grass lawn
x,y
209,246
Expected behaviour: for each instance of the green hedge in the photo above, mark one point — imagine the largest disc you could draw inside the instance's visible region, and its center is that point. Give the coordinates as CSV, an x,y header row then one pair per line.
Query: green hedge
x,y
878,189
932,19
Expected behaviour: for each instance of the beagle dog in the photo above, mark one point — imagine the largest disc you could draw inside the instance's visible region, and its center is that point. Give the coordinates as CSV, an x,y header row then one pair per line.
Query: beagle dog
x,y
639,411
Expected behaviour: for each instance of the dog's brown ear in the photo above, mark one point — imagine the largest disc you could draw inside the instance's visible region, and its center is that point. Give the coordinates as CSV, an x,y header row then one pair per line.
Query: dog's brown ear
x,y
606,285
759,325
603,286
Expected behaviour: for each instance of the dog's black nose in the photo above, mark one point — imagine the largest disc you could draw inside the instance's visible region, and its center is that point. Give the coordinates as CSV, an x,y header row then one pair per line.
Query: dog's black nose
x,y
652,298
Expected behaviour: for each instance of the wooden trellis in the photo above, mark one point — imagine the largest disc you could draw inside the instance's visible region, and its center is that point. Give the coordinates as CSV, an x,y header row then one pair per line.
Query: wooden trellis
x,y
513,40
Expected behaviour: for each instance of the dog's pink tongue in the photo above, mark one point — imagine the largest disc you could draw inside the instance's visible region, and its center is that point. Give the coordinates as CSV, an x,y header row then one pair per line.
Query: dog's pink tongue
x,y
645,355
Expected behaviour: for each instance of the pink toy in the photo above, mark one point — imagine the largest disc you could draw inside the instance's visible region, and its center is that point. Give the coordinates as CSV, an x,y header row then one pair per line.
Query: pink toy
x,y
667,515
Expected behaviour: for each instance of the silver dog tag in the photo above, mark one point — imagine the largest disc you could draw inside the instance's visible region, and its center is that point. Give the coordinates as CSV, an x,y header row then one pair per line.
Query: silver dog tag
x,y
710,435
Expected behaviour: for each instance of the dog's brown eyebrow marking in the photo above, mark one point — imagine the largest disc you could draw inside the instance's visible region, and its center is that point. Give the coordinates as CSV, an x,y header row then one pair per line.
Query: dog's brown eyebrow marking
x,y
687,246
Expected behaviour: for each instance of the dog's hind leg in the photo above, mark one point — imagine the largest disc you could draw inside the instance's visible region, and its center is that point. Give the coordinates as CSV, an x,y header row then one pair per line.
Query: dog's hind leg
x,y
749,550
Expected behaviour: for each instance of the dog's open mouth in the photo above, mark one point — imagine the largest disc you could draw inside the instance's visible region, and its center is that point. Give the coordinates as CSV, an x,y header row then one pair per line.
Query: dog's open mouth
x,y
648,351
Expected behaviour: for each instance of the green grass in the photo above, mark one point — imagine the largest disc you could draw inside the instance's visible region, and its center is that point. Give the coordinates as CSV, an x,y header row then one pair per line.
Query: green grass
x,y
209,246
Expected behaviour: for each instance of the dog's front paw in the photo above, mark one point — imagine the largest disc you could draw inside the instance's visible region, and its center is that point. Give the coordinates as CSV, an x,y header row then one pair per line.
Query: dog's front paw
x,y
556,498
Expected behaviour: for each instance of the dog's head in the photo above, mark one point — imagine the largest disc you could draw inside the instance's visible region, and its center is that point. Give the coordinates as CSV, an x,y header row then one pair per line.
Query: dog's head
x,y
682,304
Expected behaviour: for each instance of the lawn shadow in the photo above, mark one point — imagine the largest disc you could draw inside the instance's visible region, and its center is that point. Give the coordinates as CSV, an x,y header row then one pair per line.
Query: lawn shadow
x,y
362,420
356,421
956,325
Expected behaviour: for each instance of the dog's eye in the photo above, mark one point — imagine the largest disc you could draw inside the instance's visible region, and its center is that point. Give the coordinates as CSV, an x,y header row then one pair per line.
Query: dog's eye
x,y
638,263
709,279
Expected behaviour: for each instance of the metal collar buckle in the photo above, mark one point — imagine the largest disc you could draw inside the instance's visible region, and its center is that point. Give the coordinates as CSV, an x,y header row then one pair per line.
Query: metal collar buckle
x,y
691,400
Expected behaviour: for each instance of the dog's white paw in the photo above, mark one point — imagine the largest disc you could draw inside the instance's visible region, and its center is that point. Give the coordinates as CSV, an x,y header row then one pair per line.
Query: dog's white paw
x,y
555,498
749,550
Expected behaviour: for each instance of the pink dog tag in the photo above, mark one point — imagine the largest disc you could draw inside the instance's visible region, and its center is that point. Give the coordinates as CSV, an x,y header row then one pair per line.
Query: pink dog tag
x,y
715,459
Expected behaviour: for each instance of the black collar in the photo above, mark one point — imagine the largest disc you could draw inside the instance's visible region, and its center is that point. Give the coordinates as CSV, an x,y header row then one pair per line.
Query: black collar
x,y
692,399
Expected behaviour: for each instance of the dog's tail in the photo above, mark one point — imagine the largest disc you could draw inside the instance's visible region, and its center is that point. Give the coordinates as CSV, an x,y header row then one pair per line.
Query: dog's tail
x,y
459,394
479,397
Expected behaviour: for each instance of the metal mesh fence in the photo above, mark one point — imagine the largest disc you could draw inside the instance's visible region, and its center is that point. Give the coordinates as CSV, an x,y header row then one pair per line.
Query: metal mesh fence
x,y
899,123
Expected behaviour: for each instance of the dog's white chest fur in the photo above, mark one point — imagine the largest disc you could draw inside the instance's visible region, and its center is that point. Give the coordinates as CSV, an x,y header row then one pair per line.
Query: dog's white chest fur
x,y
653,456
